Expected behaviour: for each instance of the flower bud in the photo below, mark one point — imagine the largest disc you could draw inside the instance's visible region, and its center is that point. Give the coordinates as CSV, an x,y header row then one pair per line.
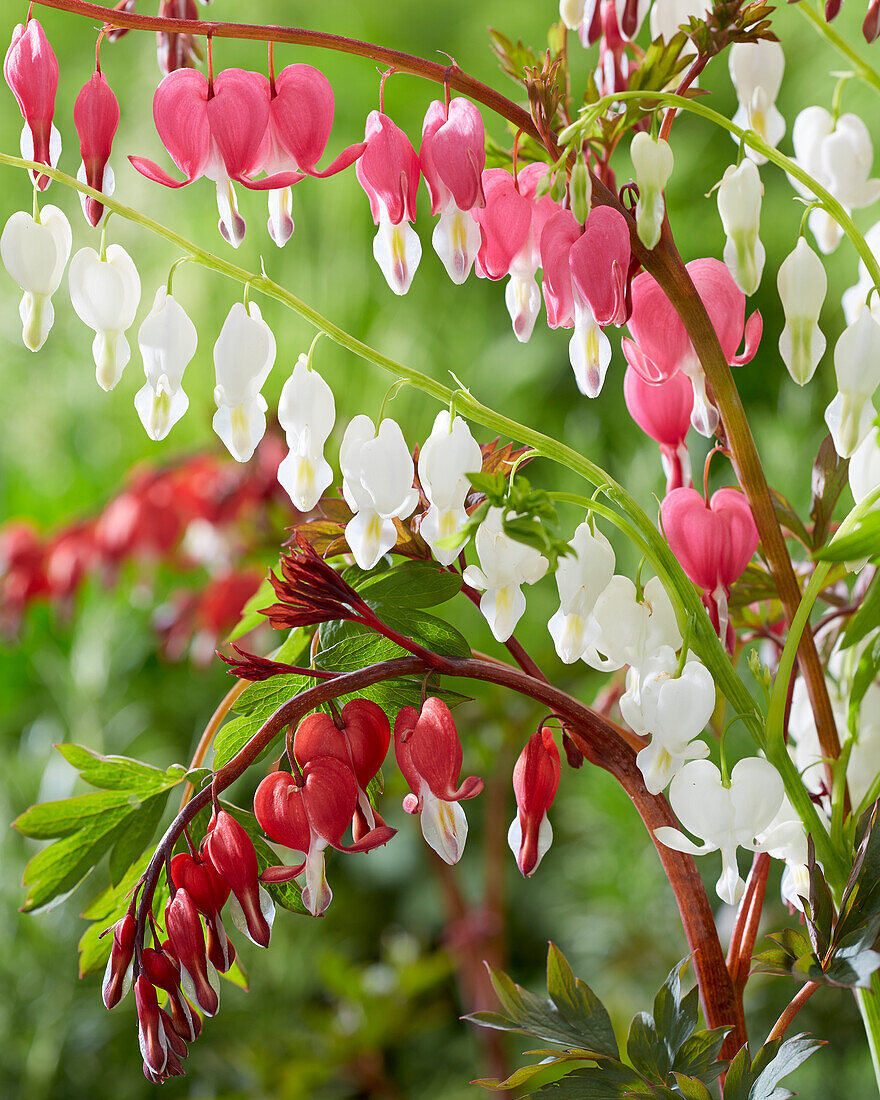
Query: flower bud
x,y
198,976
535,782
802,285
35,254
581,191
96,117
232,854
167,340
151,1032
105,293
857,364
653,163
31,71
117,976
739,204
243,356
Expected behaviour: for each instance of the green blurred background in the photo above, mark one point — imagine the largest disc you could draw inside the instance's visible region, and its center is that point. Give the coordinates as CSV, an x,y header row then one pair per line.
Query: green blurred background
x,y
365,1001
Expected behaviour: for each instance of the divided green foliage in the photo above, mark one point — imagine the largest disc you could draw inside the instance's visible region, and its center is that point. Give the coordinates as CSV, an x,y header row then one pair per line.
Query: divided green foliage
x,y
528,515
863,542
866,619
665,1049
759,1079
839,946
120,818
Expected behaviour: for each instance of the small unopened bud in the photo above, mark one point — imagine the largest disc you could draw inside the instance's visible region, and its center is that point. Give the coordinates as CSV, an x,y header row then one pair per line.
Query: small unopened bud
x,y
739,204
802,285
653,163
581,191
117,976
231,851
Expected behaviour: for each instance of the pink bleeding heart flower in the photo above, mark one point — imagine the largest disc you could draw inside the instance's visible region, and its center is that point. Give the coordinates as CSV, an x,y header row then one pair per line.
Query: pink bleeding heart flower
x,y
31,71
301,109
661,346
663,411
231,853
585,272
309,816
217,129
535,782
96,117
511,224
117,976
198,975
360,742
429,754
389,173
452,158
714,541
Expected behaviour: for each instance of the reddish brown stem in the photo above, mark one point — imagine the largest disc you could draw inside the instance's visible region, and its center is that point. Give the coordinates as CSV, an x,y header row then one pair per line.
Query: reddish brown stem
x,y
792,1009
748,919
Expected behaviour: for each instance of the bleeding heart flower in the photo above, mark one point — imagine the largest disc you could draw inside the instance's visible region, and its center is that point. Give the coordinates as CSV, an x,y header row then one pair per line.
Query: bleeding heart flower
x,y
209,893
232,855
429,755
535,782
197,973
105,292
661,346
756,69
243,356
35,254
96,117
580,578
117,976
306,412
31,71
167,340
663,411
450,453
714,541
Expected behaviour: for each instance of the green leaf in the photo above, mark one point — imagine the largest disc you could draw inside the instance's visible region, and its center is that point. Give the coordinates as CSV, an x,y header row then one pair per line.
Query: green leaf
x,y
738,1082
698,1055
830,478
866,619
775,1061
610,1081
48,820
104,911
864,676
135,835
413,584
864,542
250,613
579,1006
117,773
692,1088
647,1052
423,628
675,1017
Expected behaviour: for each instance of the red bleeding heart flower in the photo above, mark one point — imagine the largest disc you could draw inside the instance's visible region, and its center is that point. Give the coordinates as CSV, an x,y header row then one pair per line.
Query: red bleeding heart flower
x,y
31,71
96,117
198,976
535,782
231,852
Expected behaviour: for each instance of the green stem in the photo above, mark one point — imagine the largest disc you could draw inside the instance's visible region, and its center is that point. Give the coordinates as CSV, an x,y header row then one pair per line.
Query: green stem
x,y
750,138
862,69
707,644
868,1001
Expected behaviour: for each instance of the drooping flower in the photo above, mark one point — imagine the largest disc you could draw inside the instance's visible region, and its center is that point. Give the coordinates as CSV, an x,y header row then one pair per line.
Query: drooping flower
x,y
864,466
429,755
243,357
209,892
377,471
105,292
653,163
631,630
306,412
505,566
673,709
756,69
117,976
802,285
858,295
663,411
151,1032
301,109
389,173
232,855
96,117
450,453
536,777
839,155
197,973
167,339
739,204
452,158
725,817
580,578
668,16
857,365
310,815
31,71
714,541
511,224
215,129
35,254
661,346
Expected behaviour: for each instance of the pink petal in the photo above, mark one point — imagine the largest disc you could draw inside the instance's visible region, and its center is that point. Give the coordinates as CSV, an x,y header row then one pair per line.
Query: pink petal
x,y
599,263
754,330
505,223
662,411
153,172
181,117
646,368
238,114
389,170
301,114
560,233
453,154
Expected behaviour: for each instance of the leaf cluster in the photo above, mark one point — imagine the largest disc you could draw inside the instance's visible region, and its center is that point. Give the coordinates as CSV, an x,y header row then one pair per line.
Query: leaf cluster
x,y
528,515
840,945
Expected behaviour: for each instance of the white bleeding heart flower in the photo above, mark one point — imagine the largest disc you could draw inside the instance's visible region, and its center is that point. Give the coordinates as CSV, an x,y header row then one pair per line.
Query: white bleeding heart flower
x,y
631,630
243,357
580,579
857,365
802,285
105,294
864,466
756,69
653,163
673,709
785,838
856,296
167,340
724,817
668,16
377,471
839,155
35,254
450,453
306,412
505,566
739,204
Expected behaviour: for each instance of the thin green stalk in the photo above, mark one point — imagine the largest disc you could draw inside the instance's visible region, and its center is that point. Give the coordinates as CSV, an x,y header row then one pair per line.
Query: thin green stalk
x,y
861,67
749,137
868,1001
707,644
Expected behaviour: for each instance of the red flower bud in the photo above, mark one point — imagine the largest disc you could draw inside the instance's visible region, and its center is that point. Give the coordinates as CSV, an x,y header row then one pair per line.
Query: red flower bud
x,y
188,940
231,852
96,116
31,71
201,881
117,976
151,1033
535,782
